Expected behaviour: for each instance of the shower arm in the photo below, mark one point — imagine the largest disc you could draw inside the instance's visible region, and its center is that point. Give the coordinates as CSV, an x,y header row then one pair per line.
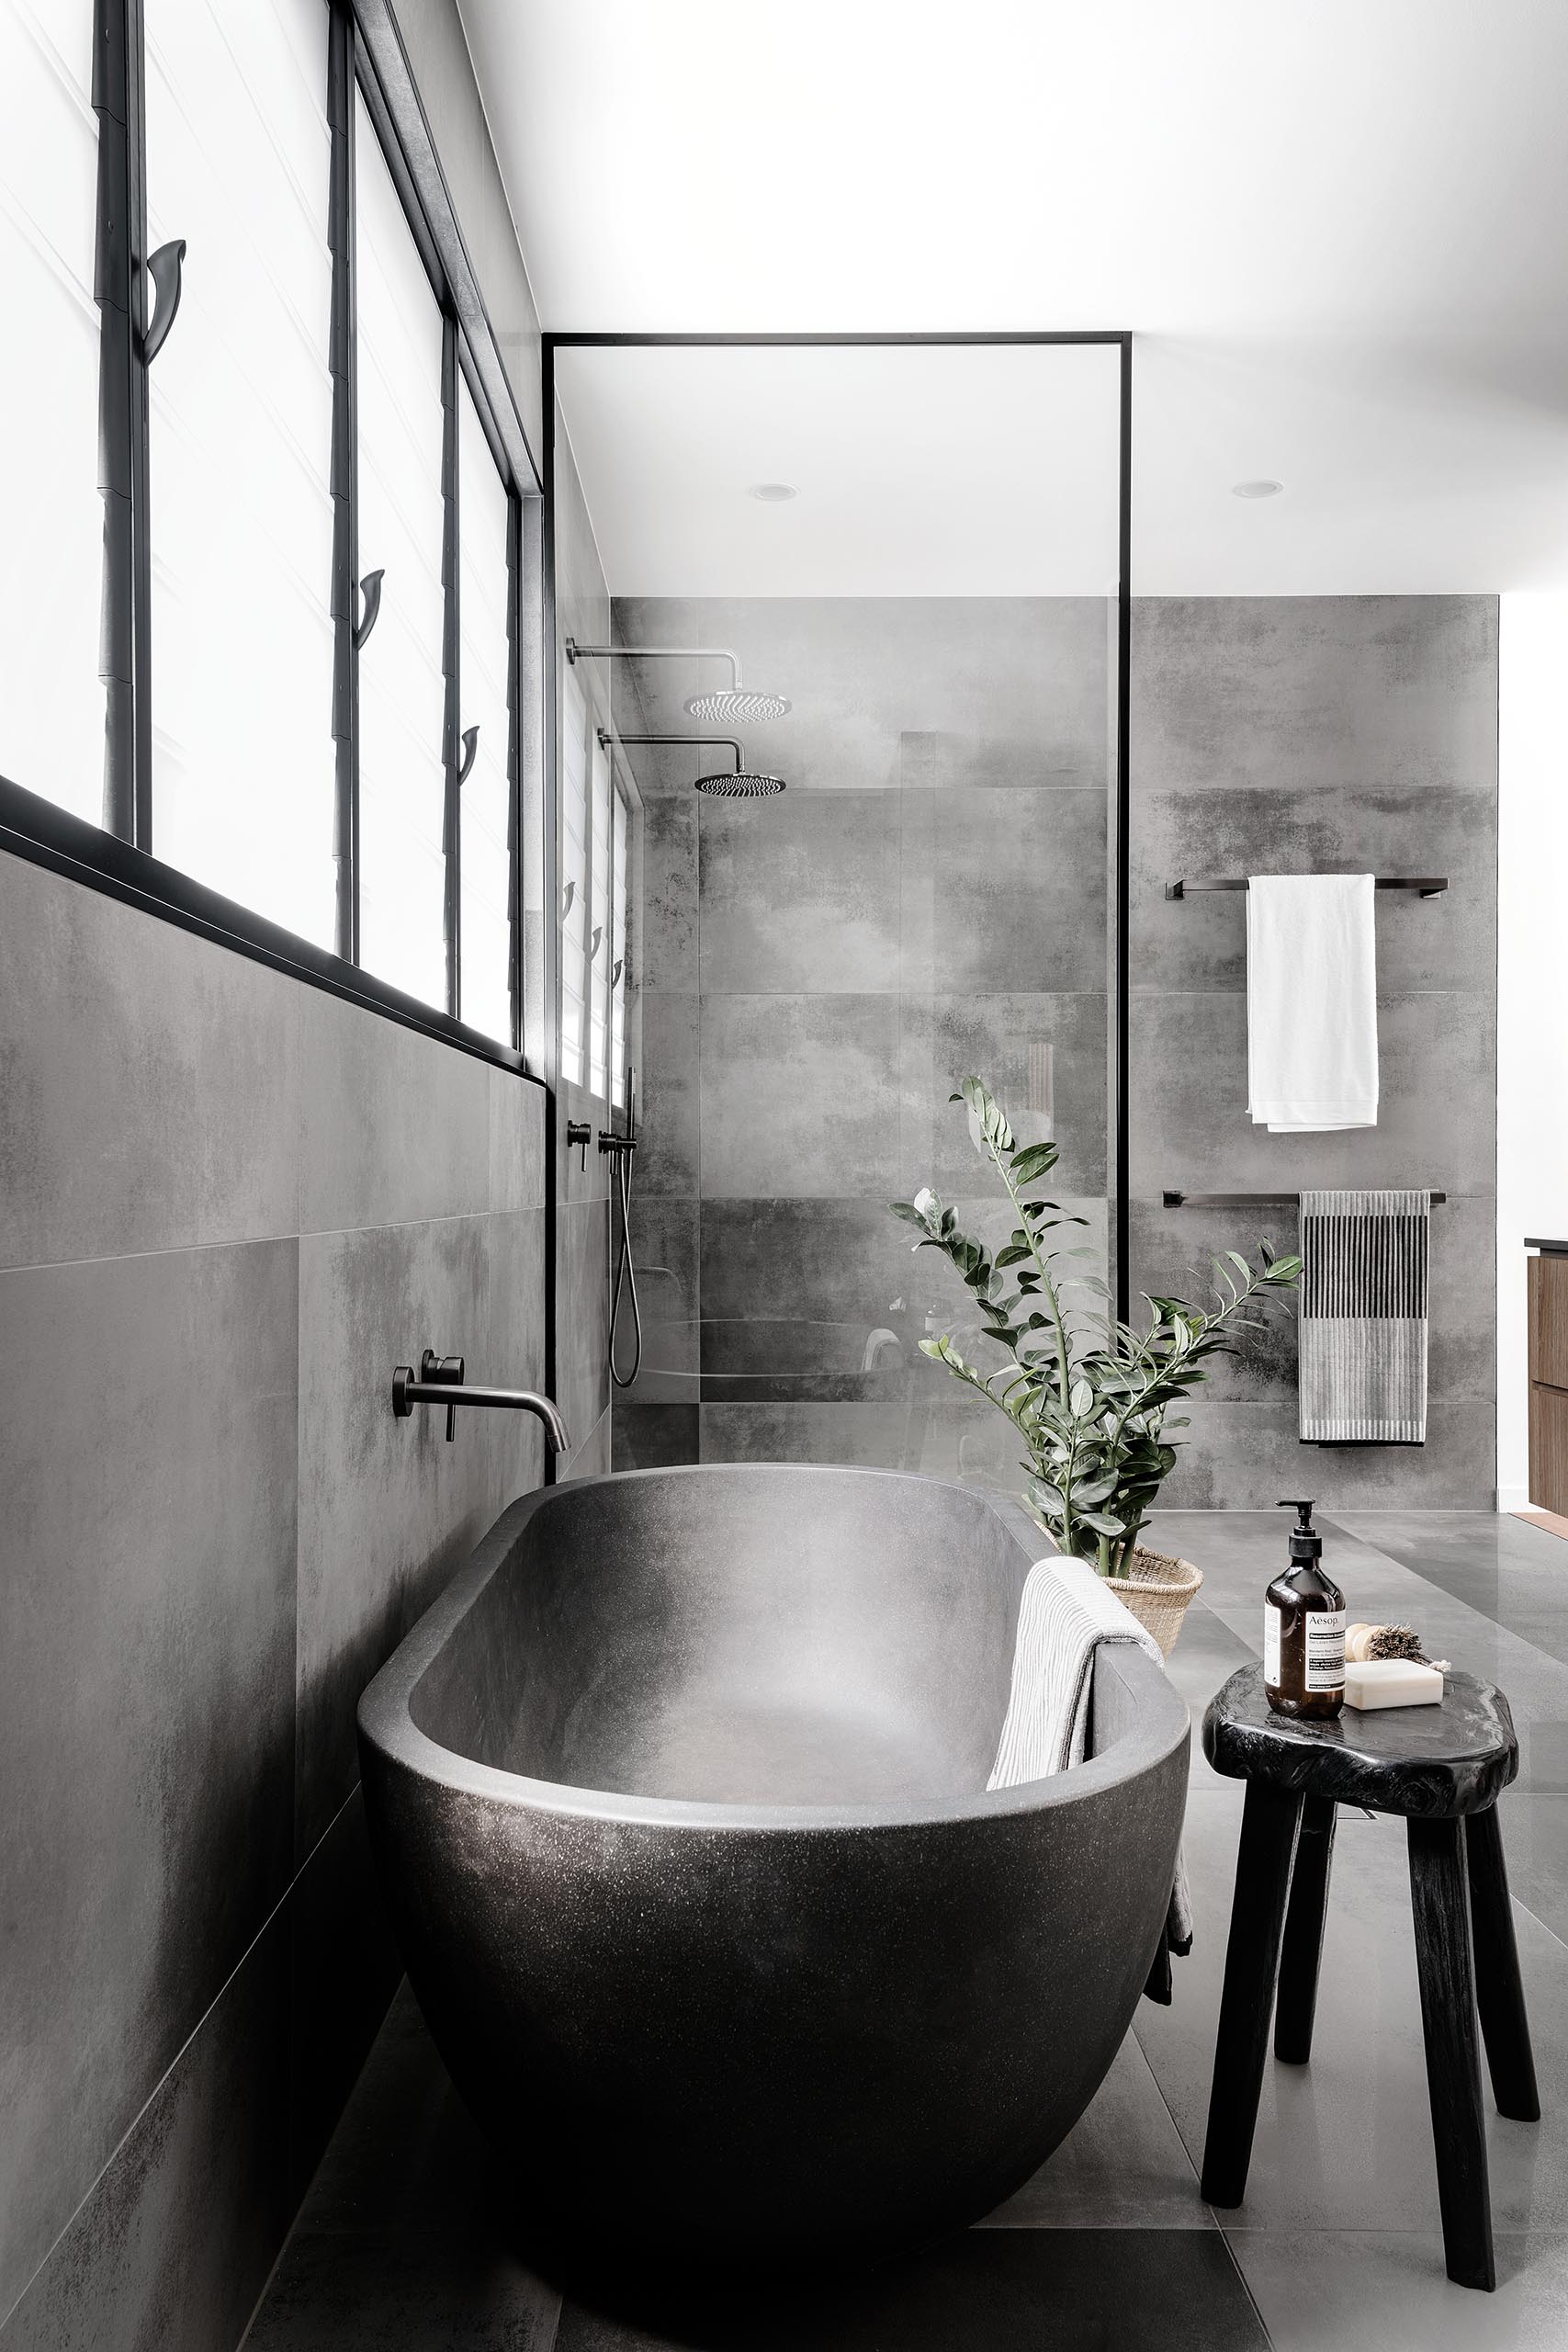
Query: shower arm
x,y
575,652
705,742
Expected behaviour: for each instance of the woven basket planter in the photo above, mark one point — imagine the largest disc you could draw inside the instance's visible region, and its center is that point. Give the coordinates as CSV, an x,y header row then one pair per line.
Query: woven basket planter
x,y
1157,1593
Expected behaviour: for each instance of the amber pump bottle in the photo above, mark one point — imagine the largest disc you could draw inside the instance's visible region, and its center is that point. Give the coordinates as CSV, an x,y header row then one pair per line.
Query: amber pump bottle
x,y
1304,1630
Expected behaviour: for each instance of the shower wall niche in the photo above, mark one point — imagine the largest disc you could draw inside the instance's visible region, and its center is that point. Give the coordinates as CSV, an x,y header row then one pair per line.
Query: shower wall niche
x,y
927,898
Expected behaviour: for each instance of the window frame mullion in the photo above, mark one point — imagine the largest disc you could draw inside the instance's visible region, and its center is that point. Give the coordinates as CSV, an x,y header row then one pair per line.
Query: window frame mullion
x,y
118,239
451,664
515,760
343,345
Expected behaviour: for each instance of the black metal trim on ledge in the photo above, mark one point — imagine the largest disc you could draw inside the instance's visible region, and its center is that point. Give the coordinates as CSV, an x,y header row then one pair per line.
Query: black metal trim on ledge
x,y
48,836
1430,885
1253,1201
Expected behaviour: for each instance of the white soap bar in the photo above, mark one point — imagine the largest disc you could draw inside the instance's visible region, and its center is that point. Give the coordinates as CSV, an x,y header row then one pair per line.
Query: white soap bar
x,y
1391,1682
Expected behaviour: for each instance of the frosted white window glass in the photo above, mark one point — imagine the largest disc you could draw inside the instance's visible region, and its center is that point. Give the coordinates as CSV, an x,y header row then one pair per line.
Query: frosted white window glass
x,y
618,962
51,518
484,663
573,817
401,511
599,957
239,454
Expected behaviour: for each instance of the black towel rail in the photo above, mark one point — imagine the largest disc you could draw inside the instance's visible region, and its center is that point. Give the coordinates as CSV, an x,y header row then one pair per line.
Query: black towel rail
x,y
1255,1200
1430,885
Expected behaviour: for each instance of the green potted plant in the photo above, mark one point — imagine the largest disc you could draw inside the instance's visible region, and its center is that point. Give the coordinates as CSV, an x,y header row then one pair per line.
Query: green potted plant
x,y
1090,1396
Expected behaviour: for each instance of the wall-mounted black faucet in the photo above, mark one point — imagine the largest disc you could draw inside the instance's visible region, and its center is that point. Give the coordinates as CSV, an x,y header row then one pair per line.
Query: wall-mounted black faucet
x,y
579,1135
441,1382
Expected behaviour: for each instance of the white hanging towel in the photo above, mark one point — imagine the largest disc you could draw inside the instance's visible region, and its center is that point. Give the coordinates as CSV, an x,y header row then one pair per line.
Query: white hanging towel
x,y
1312,1013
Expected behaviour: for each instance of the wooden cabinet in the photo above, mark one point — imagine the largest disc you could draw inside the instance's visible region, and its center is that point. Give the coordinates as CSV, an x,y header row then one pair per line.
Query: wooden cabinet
x,y
1549,1381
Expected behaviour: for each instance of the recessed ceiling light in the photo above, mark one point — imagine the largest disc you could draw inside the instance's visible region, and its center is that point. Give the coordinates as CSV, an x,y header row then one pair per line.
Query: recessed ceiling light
x,y
773,493
1256,489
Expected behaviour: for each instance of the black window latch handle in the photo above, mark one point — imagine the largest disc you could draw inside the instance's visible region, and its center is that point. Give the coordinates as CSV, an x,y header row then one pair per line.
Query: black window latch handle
x,y
164,268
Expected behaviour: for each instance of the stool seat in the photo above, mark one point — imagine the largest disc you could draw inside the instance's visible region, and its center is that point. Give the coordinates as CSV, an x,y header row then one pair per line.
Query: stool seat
x,y
1442,1768
1426,1763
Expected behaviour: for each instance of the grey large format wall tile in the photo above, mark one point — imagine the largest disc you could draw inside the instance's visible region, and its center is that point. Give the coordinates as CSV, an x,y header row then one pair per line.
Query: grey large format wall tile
x,y
1173,1250
583,1316
172,2249
669,904
799,1094
1004,889
800,893
515,1349
394,1127
1003,677
1292,691
947,1038
149,1084
1201,942
670,1146
516,1142
1191,1129
1236,1452
388,1510
146,1686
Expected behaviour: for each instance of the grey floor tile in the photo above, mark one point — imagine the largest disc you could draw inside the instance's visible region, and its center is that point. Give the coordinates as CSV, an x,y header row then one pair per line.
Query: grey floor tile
x,y
989,2290
1346,2142
394,2291
1350,2290
1123,2166
1501,1566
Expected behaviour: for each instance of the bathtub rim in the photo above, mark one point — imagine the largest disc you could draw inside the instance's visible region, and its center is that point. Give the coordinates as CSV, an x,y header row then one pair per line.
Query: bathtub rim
x,y
386,1718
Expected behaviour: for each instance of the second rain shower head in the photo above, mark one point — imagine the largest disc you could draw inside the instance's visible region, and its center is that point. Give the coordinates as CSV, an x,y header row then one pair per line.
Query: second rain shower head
x,y
739,782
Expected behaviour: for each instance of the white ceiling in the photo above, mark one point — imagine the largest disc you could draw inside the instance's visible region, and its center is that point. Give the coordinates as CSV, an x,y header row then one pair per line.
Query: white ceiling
x,y
1339,229
945,472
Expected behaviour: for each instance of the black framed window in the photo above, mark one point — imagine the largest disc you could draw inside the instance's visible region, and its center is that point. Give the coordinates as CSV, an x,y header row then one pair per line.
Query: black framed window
x,y
244,623
400,526
238,158
52,516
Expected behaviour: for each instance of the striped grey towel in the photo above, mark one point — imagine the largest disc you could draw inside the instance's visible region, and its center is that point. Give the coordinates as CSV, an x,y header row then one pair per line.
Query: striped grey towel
x,y
1363,1317
1063,1614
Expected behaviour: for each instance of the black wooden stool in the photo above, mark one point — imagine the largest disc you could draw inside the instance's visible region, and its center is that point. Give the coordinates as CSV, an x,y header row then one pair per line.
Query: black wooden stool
x,y
1441,1767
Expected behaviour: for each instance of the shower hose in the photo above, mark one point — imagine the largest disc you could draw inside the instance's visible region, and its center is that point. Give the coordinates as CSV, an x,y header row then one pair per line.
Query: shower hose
x,y
626,1273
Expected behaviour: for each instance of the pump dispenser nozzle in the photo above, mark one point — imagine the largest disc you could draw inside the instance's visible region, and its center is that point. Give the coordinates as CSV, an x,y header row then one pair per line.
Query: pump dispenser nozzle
x,y
1306,1544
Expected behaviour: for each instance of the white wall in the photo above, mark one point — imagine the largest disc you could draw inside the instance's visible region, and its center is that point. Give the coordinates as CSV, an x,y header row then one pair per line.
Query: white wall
x,y
1532,985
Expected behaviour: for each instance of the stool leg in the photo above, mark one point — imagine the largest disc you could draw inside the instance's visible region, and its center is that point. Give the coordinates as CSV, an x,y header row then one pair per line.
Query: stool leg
x,y
1268,1825
1296,2002
1440,1898
1499,1993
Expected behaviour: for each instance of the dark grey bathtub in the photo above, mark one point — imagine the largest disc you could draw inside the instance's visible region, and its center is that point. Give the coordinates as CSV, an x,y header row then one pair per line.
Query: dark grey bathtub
x,y
678,1795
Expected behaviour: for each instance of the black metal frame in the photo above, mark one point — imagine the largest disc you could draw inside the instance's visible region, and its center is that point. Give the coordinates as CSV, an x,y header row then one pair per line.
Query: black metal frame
x,y
1122,893
364,54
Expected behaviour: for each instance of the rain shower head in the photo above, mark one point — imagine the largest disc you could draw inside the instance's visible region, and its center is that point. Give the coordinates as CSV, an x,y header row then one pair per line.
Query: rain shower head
x,y
739,782
737,706
740,785
734,706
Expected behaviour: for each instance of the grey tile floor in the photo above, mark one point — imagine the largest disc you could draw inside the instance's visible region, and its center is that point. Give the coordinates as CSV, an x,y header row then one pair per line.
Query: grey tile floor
x,y
403,2244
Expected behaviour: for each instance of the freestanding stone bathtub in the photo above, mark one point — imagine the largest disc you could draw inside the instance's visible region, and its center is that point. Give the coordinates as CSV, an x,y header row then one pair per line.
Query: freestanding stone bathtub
x,y
678,1795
